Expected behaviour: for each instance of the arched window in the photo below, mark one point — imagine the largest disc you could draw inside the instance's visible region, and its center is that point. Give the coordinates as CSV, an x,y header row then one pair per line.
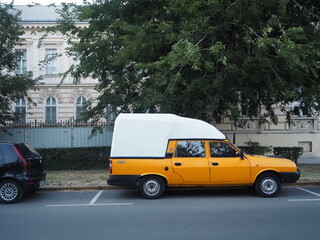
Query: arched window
x,y
20,109
51,110
80,108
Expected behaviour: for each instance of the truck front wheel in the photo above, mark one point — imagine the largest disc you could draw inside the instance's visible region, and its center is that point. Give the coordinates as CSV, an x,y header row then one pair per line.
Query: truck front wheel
x,y
151,187
267,185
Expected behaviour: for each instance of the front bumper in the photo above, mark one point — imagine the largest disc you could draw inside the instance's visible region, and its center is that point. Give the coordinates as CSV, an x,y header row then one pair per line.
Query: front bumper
x,y
129,181
290,177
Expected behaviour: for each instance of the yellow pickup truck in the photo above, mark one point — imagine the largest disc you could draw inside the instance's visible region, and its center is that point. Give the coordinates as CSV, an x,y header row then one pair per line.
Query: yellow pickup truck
x,y
153,151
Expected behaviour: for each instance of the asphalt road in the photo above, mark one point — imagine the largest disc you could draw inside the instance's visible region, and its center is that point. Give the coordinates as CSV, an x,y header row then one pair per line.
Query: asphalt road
x,y
180,214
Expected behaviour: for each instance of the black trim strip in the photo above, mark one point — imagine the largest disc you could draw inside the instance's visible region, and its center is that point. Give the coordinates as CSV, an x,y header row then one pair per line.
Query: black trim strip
x,y
137,158
197,139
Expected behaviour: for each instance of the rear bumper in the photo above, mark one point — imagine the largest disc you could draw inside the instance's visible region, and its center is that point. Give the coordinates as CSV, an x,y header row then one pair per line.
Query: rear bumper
x,y
33,183
129,181
290,177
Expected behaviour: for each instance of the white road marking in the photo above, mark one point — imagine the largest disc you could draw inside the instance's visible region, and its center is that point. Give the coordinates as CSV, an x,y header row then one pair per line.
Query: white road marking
x,y
303,200
91,205
306,200
95,198
308,191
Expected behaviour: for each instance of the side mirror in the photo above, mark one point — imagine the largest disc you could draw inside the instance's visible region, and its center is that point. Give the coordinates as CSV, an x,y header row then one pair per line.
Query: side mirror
x,y
241,154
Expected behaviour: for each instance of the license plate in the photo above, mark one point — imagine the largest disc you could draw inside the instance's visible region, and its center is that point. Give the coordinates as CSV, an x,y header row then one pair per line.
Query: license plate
x,y
42,183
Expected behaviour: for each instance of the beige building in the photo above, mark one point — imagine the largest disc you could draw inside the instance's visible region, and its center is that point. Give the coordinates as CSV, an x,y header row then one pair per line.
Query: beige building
x,y
304,131
61,101
55,100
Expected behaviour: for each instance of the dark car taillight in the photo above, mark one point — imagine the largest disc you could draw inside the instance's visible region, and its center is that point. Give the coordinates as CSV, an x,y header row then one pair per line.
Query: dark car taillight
x,y
22,158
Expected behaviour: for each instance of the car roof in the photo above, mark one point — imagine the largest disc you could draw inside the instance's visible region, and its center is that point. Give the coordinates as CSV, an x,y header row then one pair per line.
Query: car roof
x,y
147,135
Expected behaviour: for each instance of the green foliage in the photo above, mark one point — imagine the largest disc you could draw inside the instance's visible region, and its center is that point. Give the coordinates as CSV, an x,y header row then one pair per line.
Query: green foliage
x,y
12,87
292,153
75,158
256,148
196,58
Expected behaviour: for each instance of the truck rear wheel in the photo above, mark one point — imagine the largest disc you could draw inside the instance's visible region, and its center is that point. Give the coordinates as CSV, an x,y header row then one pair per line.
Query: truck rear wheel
x,y
151,187
267,185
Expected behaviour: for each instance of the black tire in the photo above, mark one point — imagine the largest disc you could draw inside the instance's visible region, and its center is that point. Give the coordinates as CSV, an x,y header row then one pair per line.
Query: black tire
x,y
151,187
267,185
10,191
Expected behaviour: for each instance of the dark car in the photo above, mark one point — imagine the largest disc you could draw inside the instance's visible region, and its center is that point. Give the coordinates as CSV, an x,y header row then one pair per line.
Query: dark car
x,y
21,170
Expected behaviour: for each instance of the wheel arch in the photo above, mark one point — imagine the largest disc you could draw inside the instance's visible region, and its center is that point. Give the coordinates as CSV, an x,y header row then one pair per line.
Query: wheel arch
x,y
268,171
165,180
11,179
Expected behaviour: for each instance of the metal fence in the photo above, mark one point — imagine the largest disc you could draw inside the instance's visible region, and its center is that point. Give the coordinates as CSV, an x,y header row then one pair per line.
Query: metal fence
x,y
58,135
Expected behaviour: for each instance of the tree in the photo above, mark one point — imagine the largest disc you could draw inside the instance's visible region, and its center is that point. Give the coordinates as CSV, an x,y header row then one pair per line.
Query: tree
x,y
197,58
12,87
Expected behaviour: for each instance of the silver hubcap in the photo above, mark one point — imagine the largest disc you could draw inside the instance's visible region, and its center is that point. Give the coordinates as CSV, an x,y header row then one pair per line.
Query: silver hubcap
x,y
269,186
8,192
151,187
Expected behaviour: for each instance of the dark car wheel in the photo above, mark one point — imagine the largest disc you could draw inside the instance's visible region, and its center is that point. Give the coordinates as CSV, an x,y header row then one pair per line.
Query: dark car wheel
x,y
10,191
267,185
151,187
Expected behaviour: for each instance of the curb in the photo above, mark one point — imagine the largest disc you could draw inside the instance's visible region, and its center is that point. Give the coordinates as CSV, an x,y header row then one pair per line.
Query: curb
x,y
57,189
97,188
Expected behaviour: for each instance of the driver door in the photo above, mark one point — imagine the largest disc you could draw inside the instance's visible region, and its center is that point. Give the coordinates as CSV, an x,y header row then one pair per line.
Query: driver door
x,y
226,165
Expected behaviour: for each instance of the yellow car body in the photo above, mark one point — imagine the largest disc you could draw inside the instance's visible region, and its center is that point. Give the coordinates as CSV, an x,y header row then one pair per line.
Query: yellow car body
x,y
191,162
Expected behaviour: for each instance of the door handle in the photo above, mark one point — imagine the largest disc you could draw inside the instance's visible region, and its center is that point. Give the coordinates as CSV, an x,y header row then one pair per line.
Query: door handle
x,y
178,164
215,164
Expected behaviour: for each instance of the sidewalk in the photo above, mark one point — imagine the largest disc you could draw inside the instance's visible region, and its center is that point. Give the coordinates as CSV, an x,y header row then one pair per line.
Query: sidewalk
x,y
309,160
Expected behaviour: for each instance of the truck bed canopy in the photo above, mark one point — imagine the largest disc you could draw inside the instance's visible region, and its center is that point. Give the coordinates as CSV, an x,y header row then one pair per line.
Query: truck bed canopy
x,y
147,135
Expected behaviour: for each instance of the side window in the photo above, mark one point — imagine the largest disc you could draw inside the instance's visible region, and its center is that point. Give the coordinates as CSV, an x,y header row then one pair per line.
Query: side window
x,y
9,153
222,149
1,156
190,149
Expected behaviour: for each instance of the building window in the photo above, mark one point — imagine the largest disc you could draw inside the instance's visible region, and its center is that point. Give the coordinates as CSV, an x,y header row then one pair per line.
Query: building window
x,y
51,110
80,108
51,61
21,67
244,106
110,114
20,109
300,109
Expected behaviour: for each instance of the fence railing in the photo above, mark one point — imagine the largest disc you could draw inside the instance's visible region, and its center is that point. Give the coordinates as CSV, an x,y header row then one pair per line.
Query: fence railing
x,y
54,124
59,135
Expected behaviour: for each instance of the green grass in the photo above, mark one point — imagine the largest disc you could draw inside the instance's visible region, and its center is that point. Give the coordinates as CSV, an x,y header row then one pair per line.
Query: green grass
x,y
309,172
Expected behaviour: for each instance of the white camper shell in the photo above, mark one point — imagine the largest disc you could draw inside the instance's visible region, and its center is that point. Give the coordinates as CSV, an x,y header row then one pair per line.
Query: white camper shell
x,y
147,135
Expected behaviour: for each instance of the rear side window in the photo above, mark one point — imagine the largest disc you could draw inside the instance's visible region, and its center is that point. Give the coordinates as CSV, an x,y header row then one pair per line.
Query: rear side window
x,y
26,150
9,153
190,149
1,156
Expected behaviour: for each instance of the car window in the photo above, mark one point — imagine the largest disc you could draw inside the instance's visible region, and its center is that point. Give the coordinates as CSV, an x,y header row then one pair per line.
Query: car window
x,y
1,156
190,149
222,149
26,150
9,153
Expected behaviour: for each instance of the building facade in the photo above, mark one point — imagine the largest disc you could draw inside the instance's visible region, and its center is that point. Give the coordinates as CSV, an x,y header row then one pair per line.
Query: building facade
x,y
303,131
55,100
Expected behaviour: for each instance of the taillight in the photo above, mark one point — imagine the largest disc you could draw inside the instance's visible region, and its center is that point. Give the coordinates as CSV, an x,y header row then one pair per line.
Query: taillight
x,y
22,158
110,166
